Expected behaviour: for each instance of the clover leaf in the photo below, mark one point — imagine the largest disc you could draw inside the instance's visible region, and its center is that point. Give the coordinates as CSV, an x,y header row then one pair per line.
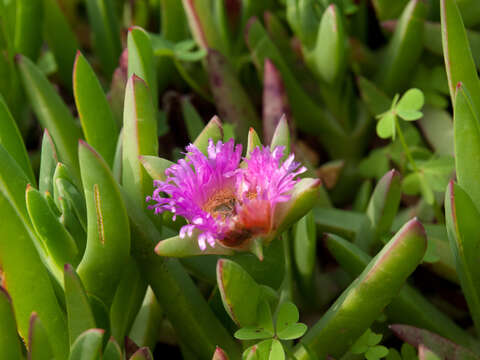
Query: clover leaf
x,y
407,108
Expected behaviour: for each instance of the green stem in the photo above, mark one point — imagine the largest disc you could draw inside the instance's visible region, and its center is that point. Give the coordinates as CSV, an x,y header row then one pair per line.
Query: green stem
x,y
405,146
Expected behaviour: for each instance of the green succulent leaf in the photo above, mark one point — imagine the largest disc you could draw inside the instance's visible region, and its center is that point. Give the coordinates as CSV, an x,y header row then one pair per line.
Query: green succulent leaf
x,y
88,345
9,342
38,340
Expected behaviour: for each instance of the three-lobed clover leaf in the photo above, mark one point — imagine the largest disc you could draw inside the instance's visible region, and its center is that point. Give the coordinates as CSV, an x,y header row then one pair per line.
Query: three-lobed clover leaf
x,y
287,327
407,108
367,344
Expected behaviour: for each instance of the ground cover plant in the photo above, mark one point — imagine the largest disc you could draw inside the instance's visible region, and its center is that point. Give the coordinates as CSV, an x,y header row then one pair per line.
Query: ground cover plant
x,y
239,179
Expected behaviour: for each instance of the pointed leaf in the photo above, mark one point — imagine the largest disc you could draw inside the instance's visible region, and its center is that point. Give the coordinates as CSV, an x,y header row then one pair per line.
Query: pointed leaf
x,y
177,246
140,59
330,53
56,239
410,306
61,40
79,312
405,47
38,341
467,143
213,130
253,141
139,138
106,33
461,215
108,238
96,117
366,297
112,351
192,119
155,166
142,354
9,341
219,354
48,163
51,111
459,63
12,141
441,346
88,345
281,136
275,100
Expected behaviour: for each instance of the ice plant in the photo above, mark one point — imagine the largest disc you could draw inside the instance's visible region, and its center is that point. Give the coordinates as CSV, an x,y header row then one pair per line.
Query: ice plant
x,y
225,201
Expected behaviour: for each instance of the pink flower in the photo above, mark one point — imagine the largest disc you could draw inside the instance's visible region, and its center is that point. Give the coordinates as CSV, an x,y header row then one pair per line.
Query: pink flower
x,y
223,200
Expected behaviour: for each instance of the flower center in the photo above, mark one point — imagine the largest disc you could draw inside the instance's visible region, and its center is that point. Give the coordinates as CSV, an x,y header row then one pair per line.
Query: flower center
x,y
221,204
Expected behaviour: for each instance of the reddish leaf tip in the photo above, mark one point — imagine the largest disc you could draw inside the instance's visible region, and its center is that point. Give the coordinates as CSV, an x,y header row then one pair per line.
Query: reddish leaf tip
x,y
459,85
68,268
18,58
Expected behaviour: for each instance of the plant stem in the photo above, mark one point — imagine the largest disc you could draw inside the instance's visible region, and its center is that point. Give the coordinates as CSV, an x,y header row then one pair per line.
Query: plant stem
x,y
405,146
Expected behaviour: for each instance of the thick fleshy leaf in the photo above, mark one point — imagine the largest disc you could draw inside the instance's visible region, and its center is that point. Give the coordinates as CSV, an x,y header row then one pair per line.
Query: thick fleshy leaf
x,y
459,63
88,345
12,141
148,322
234,283
98,123
141,61
304,253
275,100
202,24
233,103
139,138
9,341
61,39
108,236
58,243
127,301
112,351
41,297
48,163
219,354
461,216
28,28
51,111
441,346
79,312
437,126
366,297
213,130
303,197
405,47
467,143
106,33
384,204
281,136
155,166
39,347
142,354
253,141
179,247
330,53
410,306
